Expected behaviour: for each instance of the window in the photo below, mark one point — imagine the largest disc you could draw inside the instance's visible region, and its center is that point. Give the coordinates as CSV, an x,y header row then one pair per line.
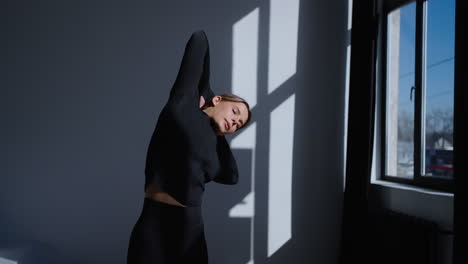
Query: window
x,y
418,69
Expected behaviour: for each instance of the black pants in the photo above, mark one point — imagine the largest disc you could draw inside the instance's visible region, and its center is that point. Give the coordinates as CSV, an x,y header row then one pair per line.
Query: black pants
x,y
167,234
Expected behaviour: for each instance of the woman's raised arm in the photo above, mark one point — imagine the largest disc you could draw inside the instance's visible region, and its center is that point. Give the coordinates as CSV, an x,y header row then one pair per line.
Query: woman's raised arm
x,y
193,76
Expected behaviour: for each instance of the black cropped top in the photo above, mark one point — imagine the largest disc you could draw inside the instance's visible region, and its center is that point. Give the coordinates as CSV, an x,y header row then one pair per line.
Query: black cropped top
x,y
185,152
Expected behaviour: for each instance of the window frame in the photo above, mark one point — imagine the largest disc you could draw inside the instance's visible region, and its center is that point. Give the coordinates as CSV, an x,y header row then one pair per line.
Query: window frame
x,y
418,180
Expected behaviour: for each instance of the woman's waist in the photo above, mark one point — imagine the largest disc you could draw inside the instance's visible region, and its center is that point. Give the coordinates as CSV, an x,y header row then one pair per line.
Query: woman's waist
x,y
170,216
184,196
154,192
163,197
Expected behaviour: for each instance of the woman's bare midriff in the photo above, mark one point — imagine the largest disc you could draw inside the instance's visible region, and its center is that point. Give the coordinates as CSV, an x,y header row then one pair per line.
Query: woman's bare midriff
x,y
154,192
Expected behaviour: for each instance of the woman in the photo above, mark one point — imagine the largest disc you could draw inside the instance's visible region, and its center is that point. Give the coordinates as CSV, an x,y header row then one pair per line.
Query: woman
x,y
187,150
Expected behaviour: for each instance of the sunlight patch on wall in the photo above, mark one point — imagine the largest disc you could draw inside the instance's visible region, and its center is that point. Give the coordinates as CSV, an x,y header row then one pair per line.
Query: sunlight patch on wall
x,y
282,52
244,57
244,84
245,209
280,180
346,102
246,140
281,66
7,261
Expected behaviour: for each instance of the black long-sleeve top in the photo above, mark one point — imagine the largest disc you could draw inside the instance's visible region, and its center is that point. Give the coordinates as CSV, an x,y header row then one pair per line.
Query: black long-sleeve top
x,y
185,152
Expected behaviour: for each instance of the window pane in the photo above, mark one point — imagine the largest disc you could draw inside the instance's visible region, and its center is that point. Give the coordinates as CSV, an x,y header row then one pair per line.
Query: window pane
x,y
400,98
440,88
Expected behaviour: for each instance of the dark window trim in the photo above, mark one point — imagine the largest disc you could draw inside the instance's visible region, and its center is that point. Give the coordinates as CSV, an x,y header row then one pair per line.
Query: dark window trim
x,y
418,180
390,5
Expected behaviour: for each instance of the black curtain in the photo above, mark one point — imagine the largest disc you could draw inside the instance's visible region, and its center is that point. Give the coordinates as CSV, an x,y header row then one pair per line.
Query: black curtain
x,y
360,131
460,134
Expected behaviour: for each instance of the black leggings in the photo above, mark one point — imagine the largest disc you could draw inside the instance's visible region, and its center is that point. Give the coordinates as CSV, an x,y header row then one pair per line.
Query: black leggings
x,y
167,234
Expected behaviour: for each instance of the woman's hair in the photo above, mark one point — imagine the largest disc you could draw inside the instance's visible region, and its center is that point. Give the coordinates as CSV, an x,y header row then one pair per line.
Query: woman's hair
x,y
233,98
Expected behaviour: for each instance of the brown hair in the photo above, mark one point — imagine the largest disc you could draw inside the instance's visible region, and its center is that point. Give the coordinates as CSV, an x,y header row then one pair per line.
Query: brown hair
x,y
233,98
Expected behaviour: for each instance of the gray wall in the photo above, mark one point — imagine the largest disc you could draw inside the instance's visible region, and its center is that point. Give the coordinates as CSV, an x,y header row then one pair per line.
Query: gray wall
x,y
84,84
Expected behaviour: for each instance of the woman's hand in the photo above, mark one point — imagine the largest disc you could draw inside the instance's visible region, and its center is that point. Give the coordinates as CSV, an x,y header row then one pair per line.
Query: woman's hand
x,y
202,101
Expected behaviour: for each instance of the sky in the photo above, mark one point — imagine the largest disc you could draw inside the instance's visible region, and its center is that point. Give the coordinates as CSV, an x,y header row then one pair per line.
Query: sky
x,y
440,54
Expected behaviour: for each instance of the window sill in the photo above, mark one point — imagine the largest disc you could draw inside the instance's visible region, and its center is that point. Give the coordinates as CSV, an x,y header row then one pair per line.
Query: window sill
x,y
411,188
431,205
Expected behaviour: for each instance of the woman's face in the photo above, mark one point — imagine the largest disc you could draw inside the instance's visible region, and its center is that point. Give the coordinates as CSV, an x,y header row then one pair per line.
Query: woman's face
x,y
228,116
